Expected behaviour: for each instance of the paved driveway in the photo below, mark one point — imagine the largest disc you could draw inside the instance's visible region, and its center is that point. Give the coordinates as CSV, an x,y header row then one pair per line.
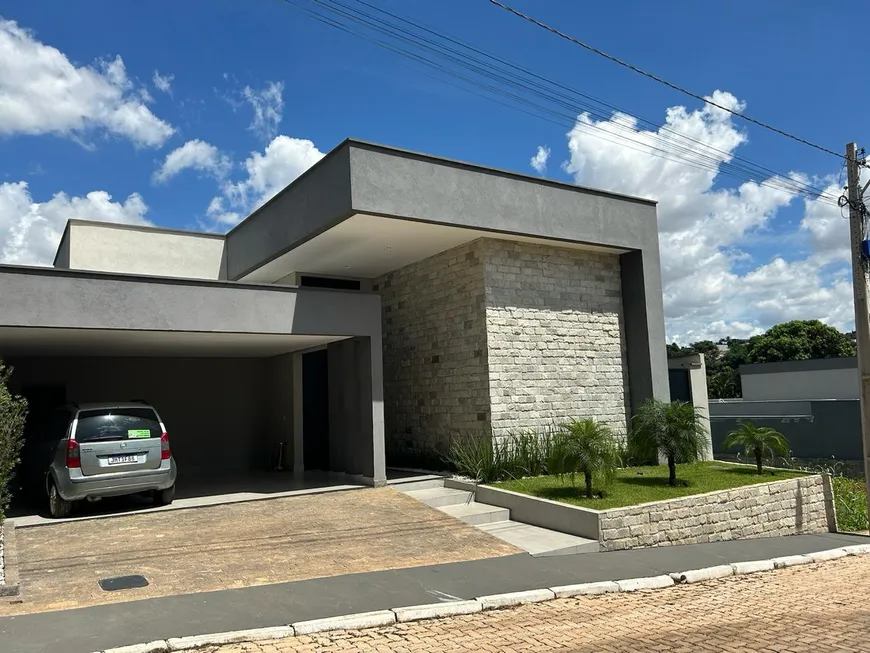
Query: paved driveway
x,y
239,545
798,610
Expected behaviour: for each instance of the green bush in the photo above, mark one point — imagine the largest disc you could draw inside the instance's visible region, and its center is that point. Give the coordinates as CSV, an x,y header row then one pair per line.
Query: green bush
x,y
13,412
674,430
515,455
757,441
850,497
585,447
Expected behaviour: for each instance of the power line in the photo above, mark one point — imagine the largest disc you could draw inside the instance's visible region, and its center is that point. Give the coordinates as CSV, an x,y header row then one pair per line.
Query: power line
x,y
513,66
493,69
658,79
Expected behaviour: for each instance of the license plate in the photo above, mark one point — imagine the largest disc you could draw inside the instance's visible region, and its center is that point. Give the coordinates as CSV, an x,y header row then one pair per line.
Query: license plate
x,y
120,460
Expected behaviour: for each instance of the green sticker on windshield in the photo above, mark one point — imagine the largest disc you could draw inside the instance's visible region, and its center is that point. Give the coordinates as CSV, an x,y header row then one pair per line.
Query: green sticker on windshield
x,y
138,433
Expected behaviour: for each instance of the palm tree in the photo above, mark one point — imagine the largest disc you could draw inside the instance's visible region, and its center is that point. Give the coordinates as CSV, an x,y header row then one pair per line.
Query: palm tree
x,y
673,430
584,447
756,441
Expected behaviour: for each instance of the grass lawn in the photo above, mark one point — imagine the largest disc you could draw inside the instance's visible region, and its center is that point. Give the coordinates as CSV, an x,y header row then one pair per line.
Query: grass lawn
x,y
634,485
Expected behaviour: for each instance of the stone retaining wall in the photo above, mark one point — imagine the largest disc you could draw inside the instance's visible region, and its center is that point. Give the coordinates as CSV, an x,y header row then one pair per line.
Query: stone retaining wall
x,y
800,505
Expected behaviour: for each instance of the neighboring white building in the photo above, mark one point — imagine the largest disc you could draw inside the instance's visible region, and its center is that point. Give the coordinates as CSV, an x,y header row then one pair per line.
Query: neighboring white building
x,y
827,378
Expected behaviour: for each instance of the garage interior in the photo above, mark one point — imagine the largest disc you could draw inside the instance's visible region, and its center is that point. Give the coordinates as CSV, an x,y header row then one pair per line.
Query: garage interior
x,y
226,400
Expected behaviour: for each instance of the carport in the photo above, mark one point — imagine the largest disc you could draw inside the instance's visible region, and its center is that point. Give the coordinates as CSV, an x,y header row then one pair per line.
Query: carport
x,y
234,369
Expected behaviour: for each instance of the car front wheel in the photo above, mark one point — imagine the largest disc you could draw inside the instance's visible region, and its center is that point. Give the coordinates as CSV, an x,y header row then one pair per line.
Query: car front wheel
x,y
57,505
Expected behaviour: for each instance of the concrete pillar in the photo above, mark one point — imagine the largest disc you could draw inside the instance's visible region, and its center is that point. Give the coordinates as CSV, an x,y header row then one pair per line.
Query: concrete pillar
x,y
298,452
356,409
696,367
643,317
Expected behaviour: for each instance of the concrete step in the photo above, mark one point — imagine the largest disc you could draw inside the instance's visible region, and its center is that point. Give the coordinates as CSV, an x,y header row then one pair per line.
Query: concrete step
x,y
476,513
539,541
417,483
441,496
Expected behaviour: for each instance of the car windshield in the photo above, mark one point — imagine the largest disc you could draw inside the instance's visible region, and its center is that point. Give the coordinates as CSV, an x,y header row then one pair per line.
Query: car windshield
x,y
117,424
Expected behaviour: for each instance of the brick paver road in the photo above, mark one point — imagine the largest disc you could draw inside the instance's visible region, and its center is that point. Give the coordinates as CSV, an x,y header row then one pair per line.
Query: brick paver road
x,y
817,608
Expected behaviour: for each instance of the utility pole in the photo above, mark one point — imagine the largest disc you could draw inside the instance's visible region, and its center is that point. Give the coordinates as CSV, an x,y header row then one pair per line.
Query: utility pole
x,y
857,216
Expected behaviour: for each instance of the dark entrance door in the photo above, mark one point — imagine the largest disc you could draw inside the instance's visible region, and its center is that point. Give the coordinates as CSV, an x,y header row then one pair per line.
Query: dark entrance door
x,y
681,389
315,410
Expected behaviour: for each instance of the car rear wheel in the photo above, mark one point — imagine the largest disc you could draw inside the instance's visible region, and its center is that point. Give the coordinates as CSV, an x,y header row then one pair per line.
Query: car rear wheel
x,y
164,497
57,505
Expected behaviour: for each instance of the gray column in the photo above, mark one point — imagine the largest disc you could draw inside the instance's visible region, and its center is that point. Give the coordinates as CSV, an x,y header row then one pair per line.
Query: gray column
x,y
643,314
356,409
298,451
371,371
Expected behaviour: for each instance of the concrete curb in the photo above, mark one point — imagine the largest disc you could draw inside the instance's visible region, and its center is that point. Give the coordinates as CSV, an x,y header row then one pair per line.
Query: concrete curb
x,y
12,585
585,589
700,575
347,622
216,639
382,618
511,599
160,646
436,610
791,561
752,567
648,583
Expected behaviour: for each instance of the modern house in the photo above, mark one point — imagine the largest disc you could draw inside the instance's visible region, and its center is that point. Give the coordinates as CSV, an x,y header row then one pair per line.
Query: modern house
x,y
382,294
814,403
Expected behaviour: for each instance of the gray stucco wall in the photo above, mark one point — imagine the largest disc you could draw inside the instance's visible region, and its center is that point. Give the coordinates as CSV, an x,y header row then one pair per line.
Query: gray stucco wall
x,y
555,342
60,298
134,249
815,429
279,396
317,200
802,385
215,409
435,374
61,257
352,447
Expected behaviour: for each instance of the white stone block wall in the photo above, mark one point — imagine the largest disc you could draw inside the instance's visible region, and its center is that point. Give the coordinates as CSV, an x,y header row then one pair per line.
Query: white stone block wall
x,y
800,505
434,346
555,341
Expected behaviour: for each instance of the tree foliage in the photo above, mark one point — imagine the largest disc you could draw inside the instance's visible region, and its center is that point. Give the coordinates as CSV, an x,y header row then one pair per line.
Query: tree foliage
x,y
674,430
585,447
796,340
13,413
799,340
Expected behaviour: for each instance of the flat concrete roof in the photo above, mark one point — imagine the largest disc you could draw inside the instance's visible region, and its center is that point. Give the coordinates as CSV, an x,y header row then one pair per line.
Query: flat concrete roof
x,y
812,365
52,298
359,178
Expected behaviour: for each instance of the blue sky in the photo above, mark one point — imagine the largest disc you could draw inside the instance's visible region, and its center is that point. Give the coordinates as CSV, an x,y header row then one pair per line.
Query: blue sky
x,y
733,263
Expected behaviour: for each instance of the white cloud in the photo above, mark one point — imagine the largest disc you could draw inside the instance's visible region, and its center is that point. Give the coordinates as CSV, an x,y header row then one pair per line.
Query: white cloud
x,y
42,92
163,83
704,230
283,160
30,231
268,106
828,228
539,161
195,155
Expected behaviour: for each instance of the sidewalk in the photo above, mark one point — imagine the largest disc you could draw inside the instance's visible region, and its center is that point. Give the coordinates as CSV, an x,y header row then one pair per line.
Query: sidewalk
x,y
91,629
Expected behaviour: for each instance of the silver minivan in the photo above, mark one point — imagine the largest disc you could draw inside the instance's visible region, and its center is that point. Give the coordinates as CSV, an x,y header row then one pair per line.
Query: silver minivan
x,y
105,450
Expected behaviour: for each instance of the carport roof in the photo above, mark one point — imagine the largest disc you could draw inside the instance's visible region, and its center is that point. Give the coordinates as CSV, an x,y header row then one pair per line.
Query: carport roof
x,y
38,299
364,207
